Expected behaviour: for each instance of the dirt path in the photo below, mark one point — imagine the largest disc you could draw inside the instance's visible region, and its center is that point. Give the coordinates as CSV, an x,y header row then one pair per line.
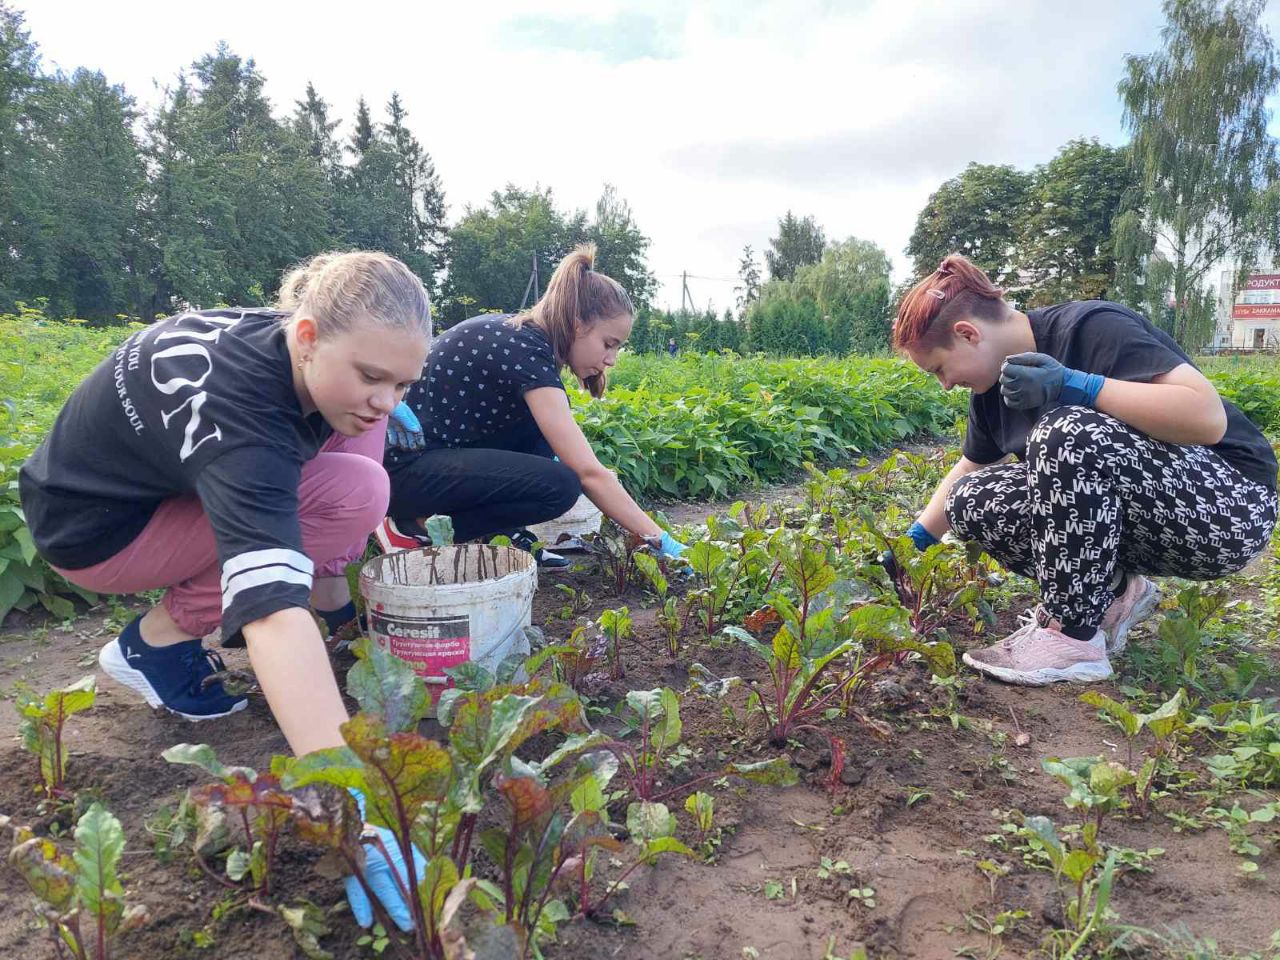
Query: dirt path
x,y
912,818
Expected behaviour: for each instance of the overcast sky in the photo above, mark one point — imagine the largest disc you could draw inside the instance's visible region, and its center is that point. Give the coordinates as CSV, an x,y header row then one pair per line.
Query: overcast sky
x,y
711,118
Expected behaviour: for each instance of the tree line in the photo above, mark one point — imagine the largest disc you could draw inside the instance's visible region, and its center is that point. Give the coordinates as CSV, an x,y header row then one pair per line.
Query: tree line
x,y
208,198
108,212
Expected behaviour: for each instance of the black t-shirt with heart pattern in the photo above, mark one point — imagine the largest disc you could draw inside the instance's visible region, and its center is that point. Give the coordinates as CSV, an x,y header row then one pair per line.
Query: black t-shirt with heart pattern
x,y
472,389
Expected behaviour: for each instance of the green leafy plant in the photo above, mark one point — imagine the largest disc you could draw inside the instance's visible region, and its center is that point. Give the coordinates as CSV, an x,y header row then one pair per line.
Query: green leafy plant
x,y
1097,787
1253,758
725,565
574,661
1196,649
43,722
935,584
430,795
245,813
577,601
615,551
1163,723
813,636
1237,821
1089,879
655,716
615,626
702,807
79,897
668,612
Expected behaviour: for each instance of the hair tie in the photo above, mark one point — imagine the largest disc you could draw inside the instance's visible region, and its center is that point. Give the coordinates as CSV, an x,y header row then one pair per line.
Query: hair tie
x,y
935,292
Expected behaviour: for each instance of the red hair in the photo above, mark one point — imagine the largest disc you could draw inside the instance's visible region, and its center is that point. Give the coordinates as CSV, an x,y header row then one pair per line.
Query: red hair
x,y
955,291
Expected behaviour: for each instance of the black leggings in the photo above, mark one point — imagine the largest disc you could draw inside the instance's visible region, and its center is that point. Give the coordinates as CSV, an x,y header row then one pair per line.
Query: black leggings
x,y
1094,495
486,492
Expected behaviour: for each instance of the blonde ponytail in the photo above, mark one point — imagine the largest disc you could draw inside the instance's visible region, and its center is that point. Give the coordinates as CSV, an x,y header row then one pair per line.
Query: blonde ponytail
x,y
341,289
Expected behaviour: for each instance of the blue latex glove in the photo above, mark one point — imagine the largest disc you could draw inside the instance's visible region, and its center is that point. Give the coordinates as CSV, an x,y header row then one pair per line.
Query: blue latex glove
x,y
1032,381
670,547
404,432
378,874
921,537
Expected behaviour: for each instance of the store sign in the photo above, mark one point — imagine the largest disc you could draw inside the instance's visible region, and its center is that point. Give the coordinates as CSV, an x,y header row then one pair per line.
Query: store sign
x,y
1256,311
1263,281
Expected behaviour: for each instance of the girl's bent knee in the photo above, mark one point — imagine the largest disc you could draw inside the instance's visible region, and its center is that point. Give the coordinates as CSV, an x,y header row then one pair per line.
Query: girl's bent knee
x,y
566,488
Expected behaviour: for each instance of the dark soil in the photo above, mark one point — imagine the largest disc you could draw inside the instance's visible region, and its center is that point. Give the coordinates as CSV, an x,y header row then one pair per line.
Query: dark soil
x,y
919,857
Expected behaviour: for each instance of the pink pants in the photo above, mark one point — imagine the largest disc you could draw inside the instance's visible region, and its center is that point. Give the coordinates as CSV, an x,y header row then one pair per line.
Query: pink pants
x,y
341,497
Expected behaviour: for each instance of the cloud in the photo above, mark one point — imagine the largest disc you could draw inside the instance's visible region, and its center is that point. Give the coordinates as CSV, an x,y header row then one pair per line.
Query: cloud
x,y
712,118
620,38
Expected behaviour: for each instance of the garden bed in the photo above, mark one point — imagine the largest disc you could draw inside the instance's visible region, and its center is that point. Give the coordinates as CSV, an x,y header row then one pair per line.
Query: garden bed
x,y
918,847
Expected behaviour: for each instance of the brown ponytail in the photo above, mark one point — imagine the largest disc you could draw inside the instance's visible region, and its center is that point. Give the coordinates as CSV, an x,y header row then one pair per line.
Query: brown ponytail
x,y
956,290
577,296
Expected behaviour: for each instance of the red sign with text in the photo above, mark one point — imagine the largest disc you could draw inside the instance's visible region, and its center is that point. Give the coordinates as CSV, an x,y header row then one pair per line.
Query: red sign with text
x,y
1256,311
1263,281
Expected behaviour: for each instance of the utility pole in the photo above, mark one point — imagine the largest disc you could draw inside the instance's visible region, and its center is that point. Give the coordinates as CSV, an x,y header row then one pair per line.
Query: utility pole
x,y
532,285
686,298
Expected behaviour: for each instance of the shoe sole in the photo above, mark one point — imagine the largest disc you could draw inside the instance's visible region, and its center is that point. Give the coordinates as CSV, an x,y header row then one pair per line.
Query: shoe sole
x,y
1080,673
1145,607
385,542
115,666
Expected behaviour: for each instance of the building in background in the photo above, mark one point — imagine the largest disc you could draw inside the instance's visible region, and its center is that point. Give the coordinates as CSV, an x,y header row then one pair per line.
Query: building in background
x,y
1249,320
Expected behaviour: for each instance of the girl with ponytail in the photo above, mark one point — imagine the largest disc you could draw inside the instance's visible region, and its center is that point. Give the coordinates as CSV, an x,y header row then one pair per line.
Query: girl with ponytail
x,y
487,436
1127,462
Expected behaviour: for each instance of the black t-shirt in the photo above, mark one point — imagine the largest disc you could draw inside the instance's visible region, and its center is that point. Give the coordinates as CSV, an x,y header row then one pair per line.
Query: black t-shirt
x,y
200,403
472,389
1101,337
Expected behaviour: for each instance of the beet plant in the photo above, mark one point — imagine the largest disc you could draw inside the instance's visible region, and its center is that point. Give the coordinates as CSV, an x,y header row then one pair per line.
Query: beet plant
x,y
668,613
1085,879
615,551
828,640
43,722
244,813
615,626
79,897
574,661
1164,724
428,794
934,585
653,716
731,566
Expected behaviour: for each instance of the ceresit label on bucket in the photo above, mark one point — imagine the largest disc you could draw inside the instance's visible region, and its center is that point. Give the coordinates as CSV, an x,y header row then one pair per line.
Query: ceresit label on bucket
x,y
429,644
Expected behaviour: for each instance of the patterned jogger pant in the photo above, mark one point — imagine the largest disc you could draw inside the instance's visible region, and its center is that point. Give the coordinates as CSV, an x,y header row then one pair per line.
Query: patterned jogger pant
x,y
1094,495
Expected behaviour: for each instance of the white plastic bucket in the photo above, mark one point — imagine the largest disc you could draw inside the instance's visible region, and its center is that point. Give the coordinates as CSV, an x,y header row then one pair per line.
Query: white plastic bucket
x,y
580,519
438,607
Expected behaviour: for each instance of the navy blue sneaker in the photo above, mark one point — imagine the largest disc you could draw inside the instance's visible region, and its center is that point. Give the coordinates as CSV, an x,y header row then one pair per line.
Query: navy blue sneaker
x,y
171,677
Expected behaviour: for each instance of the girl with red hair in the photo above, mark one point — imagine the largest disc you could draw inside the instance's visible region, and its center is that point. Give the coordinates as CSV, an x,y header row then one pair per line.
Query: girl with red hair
x,y
1126,463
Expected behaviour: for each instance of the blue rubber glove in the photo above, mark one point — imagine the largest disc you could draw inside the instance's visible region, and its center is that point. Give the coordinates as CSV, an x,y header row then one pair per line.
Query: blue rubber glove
x,y
378,874
921,537
404,432
670,547
1032,381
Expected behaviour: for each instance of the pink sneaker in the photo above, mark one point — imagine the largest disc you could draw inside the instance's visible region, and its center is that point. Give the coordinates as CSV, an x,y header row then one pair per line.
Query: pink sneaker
x,y
1039,653
391,538
1139,600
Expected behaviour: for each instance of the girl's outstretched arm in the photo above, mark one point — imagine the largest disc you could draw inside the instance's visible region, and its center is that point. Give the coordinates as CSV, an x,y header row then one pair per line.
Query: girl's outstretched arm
x,y
293,669
550,409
